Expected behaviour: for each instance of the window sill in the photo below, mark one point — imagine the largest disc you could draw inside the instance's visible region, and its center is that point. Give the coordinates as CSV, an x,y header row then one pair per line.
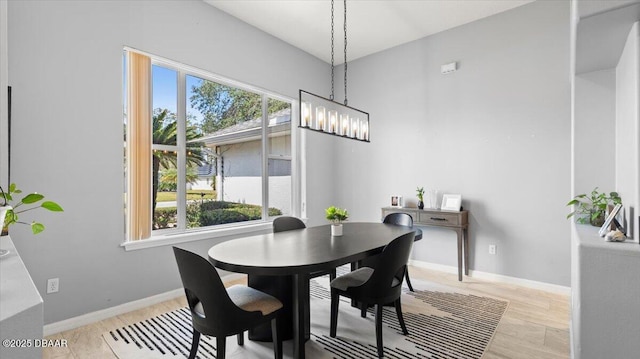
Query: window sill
x,y
170,239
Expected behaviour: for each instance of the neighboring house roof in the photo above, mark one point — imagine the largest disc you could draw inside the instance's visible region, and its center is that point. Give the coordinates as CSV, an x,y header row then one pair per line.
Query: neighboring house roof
x,y
279,125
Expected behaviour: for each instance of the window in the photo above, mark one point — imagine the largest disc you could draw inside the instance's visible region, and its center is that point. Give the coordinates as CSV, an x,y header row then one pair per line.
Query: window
x,y
218,153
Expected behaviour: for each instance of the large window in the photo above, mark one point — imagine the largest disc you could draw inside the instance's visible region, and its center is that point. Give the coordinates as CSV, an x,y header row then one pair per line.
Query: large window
x,y
220,152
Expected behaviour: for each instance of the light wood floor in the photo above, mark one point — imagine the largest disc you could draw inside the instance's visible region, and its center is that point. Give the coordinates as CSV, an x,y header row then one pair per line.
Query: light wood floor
x,y
536,324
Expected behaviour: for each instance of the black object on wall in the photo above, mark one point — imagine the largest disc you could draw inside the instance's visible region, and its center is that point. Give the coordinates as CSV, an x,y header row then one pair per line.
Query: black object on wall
x,y
9,135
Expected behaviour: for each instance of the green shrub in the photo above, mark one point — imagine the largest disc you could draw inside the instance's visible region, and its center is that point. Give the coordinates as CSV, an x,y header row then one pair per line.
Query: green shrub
x,y
167,187
221,212
163,217
211,213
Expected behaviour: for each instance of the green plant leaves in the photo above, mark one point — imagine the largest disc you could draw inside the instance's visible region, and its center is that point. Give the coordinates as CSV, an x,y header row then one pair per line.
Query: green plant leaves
x,y
573,202
32,198
27,203
37,227
52,206
336,214
593,205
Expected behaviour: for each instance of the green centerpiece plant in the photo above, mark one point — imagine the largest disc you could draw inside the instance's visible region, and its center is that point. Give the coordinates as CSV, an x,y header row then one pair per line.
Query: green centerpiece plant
x,y
336,215
12,208
592,208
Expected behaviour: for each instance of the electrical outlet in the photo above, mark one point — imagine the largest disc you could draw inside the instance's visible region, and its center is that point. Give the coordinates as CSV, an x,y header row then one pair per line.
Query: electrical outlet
x,y
492,249
53,285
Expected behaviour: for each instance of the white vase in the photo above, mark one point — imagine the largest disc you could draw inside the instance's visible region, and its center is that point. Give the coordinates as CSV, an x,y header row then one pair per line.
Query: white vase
x,y
336,230
3,213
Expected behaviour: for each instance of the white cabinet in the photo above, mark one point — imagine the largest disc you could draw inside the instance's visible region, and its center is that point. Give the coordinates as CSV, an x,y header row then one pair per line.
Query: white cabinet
x,y
21,310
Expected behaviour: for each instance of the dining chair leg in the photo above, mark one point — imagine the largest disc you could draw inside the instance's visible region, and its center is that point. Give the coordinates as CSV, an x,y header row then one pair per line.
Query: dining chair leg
x,y
277,339
406,277
363,309
221,343
333,274
194,344
334,314
241,338
379,330
400,318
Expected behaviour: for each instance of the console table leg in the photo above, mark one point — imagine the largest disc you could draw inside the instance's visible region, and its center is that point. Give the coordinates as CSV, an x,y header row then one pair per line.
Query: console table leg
x,y
466,251
459,233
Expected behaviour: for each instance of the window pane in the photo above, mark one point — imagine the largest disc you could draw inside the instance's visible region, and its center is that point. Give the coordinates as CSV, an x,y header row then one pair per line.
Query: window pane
x,y
165,131
225,123
164,186
164,102
279,145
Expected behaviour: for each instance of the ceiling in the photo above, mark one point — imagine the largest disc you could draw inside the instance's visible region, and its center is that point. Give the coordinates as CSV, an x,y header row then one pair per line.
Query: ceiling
x,y
372,25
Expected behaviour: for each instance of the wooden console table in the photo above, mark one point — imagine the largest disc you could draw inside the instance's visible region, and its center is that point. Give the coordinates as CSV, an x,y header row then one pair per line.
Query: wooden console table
x,y
456,221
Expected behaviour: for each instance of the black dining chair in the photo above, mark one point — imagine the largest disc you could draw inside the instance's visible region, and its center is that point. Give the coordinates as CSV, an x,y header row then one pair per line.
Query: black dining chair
x,y
286,223
401,219
220,312
377,285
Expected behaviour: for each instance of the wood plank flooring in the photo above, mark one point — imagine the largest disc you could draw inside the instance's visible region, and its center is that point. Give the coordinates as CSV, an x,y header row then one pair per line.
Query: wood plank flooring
x,y
536,324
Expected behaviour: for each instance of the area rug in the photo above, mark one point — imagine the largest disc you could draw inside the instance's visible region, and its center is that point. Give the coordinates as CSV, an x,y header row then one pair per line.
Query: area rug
x,y
443,323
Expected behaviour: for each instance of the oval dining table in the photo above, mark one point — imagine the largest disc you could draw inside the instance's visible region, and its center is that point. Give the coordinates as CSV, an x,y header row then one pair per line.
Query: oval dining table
x,y
281,264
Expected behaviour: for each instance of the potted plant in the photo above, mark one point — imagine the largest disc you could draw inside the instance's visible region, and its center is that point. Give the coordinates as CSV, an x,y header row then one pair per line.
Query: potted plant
x,y
592,208
420,193
27,203
336,215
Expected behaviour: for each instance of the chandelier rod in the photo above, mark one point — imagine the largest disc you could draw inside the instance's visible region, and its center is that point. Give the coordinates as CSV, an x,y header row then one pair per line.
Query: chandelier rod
x,y
345,52
332,75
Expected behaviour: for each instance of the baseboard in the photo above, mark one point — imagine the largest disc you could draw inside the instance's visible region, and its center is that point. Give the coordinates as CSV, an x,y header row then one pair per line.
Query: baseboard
x,y
547,287
85,319
99,315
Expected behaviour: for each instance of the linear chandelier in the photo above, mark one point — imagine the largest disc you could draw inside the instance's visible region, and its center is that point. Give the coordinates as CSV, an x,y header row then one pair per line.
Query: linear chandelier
x,y
325,115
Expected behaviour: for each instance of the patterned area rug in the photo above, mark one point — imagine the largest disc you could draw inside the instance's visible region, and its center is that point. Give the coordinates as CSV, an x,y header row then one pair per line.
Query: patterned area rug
x,y
442,324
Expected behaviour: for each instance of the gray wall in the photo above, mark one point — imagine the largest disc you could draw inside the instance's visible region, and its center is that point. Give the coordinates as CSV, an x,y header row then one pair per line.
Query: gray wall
x,y
595,104
628,128
496,131
65,66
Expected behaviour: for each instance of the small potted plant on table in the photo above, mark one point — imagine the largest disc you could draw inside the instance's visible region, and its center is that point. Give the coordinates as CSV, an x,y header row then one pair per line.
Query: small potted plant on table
x,y
420,194
336,215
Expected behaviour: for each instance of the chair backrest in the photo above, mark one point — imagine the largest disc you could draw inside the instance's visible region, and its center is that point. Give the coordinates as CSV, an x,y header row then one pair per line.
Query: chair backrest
x,y
202,285
401,219
285,223
389,265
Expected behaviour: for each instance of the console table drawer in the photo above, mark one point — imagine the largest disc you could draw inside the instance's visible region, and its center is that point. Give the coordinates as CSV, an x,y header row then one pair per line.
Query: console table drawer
x,y
451,219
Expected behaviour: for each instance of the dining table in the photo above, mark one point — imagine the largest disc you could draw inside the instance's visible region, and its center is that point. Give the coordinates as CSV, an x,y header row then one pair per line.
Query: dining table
x,y
281,264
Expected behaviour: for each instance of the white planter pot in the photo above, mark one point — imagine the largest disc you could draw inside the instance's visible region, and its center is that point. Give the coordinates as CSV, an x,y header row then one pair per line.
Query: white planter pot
x,y
3,213
336,230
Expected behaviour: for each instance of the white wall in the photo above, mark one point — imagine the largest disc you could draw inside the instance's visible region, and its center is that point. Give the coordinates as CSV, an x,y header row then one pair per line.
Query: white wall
x,y
496,131
595,130
627,127
65,61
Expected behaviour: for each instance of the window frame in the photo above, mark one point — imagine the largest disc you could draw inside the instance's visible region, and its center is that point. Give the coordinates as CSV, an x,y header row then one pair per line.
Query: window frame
x,y
181,234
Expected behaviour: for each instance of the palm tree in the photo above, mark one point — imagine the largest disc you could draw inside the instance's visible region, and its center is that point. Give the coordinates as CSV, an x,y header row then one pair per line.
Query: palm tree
x,y
165,132
170,175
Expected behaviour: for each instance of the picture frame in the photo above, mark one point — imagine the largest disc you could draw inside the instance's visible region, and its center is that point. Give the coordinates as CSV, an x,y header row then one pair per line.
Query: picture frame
x,y
396,201
451,202
607,222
